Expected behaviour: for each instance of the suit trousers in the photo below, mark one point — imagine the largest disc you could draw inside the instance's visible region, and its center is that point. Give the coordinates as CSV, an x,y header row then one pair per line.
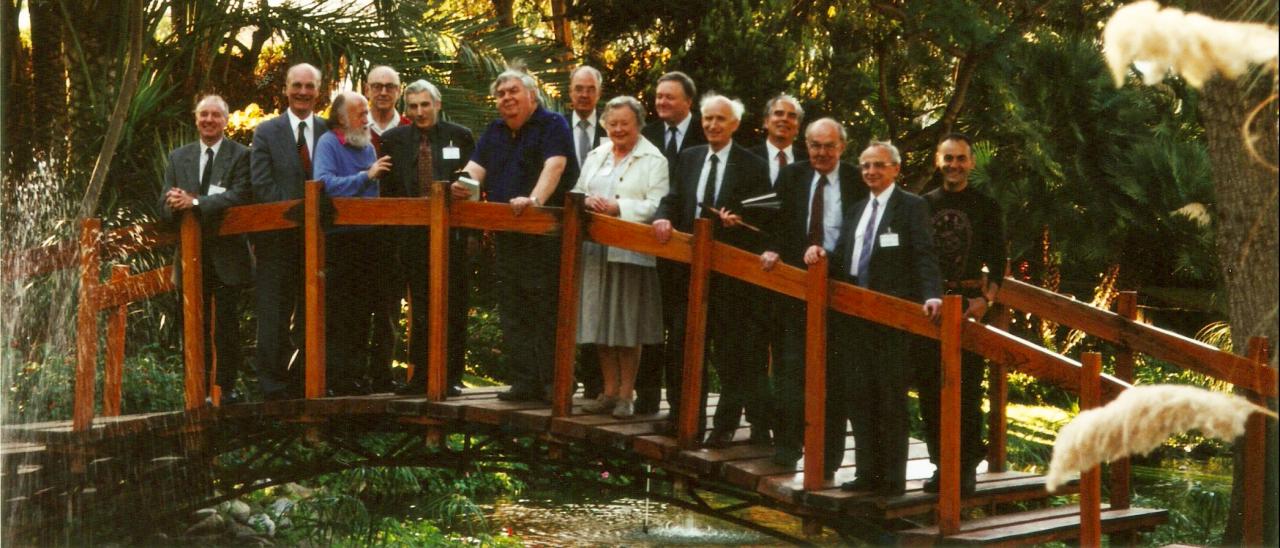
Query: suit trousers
x,y
414,262
789,383
528,290
669,361
222,326
877,394
279,307
928,381
351,280
739,353
386,314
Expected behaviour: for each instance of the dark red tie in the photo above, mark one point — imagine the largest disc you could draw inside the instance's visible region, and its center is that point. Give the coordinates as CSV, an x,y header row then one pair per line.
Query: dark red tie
x,y
303,153
424,164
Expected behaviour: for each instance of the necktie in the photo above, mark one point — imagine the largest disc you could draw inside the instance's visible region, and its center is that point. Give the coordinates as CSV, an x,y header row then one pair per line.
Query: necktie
x,y
303,153
709,193
207,173
584,141
425,166
782,160
816,227
671,151
868,241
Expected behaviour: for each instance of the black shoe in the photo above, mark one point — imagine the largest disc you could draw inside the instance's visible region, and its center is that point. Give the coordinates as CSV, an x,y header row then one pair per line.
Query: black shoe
x,y
968,483
932,484
383,386
413,389
454,391
233,397
760,436
719,438
520,395
863,484
786,457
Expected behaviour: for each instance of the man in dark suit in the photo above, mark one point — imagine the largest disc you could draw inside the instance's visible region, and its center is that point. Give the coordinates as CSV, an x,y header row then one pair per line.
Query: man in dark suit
x,y
783,117
205,178
710,179
280,162
816,196
430,149
677,128
886,245
585,86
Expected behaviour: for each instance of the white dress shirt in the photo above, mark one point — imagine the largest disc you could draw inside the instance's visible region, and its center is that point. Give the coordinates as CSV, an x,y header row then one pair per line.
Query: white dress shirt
x,y
773,151
204,158
723,155
859,236
310,135
832,219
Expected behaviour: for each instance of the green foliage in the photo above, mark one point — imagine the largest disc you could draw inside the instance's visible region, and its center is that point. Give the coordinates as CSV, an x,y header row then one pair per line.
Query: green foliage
x,y
43,390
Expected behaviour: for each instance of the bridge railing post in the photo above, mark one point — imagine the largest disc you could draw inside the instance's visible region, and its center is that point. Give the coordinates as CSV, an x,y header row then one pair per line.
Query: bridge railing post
x,y
1091,479
998,392
113,374
313,289
193,333
949,422
571,234
690,412
437,366
817,293
87,325
1119,470
1255,455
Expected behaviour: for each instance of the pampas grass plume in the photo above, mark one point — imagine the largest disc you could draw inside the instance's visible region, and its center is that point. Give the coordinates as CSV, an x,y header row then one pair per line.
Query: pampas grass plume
x,y
1140,420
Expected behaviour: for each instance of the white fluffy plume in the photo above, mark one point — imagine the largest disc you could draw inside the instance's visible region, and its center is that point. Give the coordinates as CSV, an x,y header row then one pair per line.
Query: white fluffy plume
x,y
1163,40
1141,419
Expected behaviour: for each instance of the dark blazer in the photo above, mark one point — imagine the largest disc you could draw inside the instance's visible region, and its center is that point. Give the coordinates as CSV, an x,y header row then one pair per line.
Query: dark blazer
x,y
230,254
798,150
656,133
789,230
745,176
277,172
908,270
401,143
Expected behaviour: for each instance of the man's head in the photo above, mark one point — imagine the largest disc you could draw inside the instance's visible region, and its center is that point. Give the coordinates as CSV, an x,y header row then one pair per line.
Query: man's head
x,y
674,97
880,165
516,94
782,118
382,87
351,112
954,159
211,118
422,103
720,118
825,140
301,88
585,86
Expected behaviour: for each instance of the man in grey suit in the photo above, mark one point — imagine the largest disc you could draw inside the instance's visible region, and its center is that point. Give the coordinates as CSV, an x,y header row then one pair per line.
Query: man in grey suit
x,y
280,163
204,178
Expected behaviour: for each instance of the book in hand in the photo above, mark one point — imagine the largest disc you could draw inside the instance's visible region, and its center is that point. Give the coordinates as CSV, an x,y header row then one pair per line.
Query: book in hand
x,y
768,201
472,185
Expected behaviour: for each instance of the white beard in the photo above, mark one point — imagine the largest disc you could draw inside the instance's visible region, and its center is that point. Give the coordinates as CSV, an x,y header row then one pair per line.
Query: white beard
x,y
359,138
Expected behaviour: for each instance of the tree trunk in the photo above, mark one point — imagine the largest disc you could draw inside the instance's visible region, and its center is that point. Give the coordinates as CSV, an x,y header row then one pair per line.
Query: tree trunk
x,y
48,77
17,91
503,12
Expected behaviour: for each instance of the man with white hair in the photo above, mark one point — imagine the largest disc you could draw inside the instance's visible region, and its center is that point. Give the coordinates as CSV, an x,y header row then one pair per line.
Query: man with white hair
x,y
709,180
382,89
783,117
348,167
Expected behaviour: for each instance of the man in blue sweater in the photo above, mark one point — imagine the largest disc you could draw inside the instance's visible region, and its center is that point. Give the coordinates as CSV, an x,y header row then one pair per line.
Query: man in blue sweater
x,y
347,164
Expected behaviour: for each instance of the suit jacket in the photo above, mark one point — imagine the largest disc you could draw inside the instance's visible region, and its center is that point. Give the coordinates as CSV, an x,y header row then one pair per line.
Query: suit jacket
x,y
789,229
277,172
401,143
798,150
656,133
908,270
229,255
745,176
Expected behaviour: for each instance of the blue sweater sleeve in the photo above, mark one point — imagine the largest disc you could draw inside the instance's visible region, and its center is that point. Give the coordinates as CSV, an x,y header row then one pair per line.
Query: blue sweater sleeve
x,y
331,159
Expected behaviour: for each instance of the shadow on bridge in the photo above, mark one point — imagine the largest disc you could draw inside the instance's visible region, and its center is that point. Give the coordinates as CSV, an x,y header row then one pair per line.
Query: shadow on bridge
x,y
56,473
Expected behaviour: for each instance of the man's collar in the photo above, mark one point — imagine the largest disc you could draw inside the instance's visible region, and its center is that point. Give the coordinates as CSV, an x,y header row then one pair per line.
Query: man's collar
x,y
883,198
683,126
294,119
773,150
590,119
216,146
832,178
393,121
723,153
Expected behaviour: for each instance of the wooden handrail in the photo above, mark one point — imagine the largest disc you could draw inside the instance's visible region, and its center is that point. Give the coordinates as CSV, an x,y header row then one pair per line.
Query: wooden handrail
x,y
949,420
193,334
815,374
1091,479
313,291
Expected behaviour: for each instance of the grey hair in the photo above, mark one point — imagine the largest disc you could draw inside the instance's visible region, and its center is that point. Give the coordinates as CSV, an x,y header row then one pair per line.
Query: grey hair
x,y
217,99
626,101
844,136
338,108
419,86
590,70
768,107
300,66
887,145
734,105
381,67
530,85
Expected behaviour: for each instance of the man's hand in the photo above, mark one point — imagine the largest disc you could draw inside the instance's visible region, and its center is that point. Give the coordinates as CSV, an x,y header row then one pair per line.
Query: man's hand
x,y
768,259
662,230
814,253
977,308
603,206
380,167
178,199
729,219
520,203
459,191
932,307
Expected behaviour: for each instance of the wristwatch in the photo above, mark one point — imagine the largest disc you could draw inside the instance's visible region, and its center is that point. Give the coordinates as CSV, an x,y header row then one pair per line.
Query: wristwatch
x,y
195,202
535,201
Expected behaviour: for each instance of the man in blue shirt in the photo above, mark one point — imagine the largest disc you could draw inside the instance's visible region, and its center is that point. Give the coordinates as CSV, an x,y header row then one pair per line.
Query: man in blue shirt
x,y
525,159
346,163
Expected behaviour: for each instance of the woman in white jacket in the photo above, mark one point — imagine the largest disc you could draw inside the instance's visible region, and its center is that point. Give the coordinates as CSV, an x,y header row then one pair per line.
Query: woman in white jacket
x,y
621,302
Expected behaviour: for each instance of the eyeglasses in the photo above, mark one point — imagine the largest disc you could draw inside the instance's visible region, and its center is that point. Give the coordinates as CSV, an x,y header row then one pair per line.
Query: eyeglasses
x,y
821,146
877,165
378,86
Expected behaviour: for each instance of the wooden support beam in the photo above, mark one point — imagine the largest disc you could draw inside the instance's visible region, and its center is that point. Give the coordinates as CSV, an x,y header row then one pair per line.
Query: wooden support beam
x,y
695,339
1255,455
571,233
949,424
192,310
313,283
1120,471
998,398
1091,479
437,366
817,294
87,326
113,374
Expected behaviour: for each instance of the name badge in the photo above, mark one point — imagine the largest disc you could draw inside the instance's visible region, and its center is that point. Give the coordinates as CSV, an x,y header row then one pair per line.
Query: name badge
x,y
889,239
450,153
215,190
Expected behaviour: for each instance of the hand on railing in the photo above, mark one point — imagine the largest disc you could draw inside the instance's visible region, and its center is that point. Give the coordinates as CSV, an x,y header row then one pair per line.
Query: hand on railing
x,y
603,206
178,199
459,191
814,254
768,259
662,230
932,308
520,203
977,308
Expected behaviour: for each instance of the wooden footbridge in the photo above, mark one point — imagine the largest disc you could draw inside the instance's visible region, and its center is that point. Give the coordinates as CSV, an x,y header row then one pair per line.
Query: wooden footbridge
x,y
97,470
